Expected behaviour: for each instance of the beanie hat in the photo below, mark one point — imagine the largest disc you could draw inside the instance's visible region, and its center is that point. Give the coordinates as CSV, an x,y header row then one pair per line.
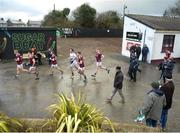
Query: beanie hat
x,y
155,85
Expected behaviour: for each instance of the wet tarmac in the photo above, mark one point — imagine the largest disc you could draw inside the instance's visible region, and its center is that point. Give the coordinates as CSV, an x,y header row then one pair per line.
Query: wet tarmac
x,y
28,98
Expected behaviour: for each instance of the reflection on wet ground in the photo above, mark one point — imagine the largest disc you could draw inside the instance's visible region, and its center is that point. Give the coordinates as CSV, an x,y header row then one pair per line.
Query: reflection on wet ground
x,y
26,97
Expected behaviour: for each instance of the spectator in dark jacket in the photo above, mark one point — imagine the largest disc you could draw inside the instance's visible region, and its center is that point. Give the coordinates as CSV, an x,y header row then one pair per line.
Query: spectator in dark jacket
x,y
132,49
155,101
168,68
132,57
145,51
161,67
118,84
133,68
138,51
168,89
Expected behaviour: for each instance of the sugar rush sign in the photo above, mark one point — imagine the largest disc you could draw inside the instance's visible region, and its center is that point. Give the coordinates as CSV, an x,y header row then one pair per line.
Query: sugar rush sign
x,y
25,41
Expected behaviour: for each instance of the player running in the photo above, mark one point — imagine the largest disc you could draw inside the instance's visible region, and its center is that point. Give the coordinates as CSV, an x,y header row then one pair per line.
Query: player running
x,y
20,67
32,64
73,62
81,65
54,65
99,56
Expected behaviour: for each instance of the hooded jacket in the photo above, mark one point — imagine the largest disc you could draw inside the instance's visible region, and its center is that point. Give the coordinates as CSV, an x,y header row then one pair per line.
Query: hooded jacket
x,y
154,103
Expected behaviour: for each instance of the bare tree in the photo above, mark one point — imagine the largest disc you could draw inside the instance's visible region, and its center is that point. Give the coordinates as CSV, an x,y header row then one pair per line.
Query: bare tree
x,y
173,11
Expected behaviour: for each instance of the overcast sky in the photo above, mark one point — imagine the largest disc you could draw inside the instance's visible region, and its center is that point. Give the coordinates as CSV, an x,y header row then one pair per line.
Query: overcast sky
x,y
36,9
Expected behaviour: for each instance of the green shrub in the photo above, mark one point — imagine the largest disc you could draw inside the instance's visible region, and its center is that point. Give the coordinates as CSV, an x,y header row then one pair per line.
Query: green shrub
x,y
8,124
72,116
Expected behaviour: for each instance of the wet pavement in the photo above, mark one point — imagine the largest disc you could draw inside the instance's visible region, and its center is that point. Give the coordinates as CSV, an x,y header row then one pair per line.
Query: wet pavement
x,y
26,97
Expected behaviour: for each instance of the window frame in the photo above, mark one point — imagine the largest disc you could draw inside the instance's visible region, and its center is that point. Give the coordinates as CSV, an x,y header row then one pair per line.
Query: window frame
x,y
168,40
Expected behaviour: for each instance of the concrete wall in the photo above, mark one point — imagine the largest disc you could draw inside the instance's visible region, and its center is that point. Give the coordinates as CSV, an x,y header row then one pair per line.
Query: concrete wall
x,y
130,25
158,42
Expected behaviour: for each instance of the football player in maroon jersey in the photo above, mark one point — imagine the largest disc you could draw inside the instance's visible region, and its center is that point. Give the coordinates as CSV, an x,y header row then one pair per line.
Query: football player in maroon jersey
x,y
19,61
54,65
33,67
99,56
81,65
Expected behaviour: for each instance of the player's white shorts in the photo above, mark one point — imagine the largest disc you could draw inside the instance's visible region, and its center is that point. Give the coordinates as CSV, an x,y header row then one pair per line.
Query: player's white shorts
x,y
81,68
98,64
54,65
20,66
74,64
32,68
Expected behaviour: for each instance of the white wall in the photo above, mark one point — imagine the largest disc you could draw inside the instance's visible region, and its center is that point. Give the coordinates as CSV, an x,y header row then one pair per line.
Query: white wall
x,y
133,26
159,35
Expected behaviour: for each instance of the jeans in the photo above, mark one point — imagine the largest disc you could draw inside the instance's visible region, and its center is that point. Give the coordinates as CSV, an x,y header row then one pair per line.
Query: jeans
x,y
151,123
164,118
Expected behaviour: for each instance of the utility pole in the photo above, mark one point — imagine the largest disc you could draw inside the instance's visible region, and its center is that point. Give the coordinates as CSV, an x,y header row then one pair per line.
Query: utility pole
x,y
124,10
54,8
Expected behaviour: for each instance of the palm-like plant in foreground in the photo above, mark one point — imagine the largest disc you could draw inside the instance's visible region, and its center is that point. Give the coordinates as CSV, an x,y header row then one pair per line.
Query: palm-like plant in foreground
x,y
76,116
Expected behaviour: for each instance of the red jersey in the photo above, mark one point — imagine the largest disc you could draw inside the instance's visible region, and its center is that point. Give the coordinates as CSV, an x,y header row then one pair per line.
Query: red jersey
x,y
31,61
167,54
98,57
19,59
81,62
53,60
